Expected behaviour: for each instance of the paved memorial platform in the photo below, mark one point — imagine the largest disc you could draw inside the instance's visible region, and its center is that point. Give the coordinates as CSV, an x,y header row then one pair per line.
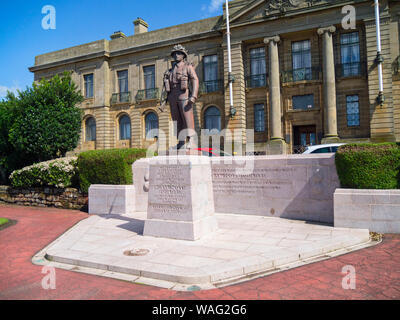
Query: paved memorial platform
x,y
244,247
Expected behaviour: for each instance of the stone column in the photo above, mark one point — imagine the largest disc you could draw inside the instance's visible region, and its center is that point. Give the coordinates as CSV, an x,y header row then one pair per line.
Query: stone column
x,y
330,112
276,145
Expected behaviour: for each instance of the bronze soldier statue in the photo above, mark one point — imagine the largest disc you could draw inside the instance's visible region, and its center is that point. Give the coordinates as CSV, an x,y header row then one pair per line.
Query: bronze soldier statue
x,y
176,91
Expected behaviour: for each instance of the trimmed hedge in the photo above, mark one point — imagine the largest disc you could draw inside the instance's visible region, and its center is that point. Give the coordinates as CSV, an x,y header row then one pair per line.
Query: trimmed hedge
x,y
113,167
369,166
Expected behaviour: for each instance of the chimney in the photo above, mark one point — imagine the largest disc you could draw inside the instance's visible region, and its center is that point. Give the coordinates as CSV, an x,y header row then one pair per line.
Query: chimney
x,y
140,26
117,35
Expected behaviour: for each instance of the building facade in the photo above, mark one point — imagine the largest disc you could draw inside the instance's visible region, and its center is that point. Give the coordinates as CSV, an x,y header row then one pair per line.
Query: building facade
x,y
304,73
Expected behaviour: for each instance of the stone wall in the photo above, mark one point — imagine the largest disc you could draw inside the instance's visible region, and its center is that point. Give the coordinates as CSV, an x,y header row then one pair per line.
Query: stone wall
x,y
376,210
44,197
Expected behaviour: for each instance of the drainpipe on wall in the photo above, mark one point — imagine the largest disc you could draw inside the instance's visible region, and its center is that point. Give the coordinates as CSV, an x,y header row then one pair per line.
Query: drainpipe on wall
x,y
379,59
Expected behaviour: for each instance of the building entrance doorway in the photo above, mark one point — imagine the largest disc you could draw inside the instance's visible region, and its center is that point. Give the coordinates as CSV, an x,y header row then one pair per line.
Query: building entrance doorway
x,y
303,136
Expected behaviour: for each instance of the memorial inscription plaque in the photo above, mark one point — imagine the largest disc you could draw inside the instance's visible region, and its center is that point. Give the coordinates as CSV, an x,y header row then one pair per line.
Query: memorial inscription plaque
x,y
181,199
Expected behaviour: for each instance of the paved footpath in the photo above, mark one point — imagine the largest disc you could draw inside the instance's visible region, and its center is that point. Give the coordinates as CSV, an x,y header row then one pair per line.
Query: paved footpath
x,y
377,270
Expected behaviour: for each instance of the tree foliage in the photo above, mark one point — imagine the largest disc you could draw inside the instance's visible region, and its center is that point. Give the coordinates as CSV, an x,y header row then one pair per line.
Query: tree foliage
x,y
41,123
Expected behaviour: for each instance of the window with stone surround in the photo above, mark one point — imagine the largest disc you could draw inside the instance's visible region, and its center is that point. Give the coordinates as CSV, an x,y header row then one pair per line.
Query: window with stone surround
x,y
149,77
350,54
124,128
301,60
149,73
151,125
212,119
90,126
123,81
210,70
88,78
257,68
353,110
259,118
304,102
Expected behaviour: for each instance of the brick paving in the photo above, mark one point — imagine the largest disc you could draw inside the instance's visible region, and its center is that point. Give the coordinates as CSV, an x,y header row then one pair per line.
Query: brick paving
x,y
377,270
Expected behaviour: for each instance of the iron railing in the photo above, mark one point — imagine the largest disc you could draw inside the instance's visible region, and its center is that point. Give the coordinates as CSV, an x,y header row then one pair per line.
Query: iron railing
x,y
148,94
352,69
302,74
211,86
122,97
256,81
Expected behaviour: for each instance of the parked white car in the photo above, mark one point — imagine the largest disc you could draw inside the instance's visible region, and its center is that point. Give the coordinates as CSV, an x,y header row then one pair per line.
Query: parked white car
x,y
323,148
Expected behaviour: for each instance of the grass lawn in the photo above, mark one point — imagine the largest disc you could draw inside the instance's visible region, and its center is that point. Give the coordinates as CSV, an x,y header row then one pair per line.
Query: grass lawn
x,y
3,221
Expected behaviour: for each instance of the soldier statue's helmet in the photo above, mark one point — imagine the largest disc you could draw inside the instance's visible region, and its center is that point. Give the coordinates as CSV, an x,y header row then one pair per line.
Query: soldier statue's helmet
x,y
179,48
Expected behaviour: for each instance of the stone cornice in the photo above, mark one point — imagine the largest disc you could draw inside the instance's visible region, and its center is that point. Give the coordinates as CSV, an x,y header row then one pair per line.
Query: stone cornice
x,y
370,22
97,55
169,42
107,55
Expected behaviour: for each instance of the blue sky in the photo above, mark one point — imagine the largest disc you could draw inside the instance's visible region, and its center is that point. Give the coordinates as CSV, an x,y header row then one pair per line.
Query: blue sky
x,y
79,21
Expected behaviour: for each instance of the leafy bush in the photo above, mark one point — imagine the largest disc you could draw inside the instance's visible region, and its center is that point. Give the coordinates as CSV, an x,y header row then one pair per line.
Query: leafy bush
x,y
369,166
59,173
113,167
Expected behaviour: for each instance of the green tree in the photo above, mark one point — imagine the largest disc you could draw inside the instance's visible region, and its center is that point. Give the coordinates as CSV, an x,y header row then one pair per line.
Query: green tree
x,y
48,120
9,159
41,123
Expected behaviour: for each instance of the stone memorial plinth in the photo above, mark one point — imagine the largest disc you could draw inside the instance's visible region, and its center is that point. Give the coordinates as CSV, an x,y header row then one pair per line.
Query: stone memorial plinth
x,y
297,187
111,199
181,199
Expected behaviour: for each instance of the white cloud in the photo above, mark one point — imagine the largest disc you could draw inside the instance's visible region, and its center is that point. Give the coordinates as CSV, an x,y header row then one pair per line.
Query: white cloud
x,y
4,89
213,7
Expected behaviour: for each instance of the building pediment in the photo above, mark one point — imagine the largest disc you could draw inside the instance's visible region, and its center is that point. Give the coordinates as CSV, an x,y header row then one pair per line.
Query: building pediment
x,y
264,9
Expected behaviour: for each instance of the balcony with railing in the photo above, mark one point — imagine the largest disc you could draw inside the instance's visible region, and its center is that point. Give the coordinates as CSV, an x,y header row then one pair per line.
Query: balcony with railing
x,y
211,86
122,97
256,81
148,94
303,74
352,69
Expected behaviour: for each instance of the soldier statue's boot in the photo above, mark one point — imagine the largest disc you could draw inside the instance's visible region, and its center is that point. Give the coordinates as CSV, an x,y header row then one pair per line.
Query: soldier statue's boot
x,y
190,143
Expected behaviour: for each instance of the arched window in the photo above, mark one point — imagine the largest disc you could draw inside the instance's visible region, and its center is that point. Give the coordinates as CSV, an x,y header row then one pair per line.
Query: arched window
x,y
90,129
212,119
124,128
151,121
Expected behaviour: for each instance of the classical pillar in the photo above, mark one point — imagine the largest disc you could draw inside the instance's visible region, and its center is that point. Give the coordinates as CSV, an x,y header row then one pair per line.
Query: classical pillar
x,y
276,145
330,113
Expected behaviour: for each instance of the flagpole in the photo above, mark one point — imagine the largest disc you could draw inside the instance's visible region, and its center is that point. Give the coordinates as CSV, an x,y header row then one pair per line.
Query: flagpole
x,y
379,58
230,77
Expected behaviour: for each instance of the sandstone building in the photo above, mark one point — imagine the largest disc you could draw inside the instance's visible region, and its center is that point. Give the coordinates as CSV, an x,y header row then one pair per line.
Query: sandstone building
x,y
300,76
